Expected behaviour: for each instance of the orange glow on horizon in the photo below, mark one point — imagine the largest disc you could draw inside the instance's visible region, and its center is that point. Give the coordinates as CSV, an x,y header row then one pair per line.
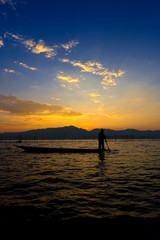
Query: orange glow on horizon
x,y
87,121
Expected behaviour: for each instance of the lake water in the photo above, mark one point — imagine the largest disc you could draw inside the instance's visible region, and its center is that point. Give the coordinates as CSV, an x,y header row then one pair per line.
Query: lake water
x,y
57,187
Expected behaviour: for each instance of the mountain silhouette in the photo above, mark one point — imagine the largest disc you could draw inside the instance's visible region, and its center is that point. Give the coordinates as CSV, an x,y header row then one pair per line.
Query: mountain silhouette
x,y
72,132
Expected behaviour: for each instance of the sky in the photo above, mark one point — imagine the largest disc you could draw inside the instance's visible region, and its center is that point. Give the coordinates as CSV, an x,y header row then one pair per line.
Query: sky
x,y
91,64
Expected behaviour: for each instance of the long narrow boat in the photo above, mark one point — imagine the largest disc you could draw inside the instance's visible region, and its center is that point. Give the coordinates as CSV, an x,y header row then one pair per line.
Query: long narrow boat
x,y
59,150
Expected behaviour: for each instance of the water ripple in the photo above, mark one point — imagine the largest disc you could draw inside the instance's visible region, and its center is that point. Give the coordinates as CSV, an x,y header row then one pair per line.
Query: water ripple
x,y
66,186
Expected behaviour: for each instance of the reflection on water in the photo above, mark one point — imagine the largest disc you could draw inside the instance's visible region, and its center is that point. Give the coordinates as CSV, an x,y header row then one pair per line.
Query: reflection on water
x,y
101,156
68,186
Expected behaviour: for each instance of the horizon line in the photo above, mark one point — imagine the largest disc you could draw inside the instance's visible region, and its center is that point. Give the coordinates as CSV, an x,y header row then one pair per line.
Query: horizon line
x,y
83,129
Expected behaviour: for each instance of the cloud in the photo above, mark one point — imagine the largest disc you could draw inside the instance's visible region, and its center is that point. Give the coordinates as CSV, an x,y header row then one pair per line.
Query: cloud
x,y
87,67
40,46
97,69
25,66
94,95
14,36
35,87
6,70
1,42
30,44
56,99
20,107
9,70
10,2
68,46
108,81
68,82
96,98
115,115
90,66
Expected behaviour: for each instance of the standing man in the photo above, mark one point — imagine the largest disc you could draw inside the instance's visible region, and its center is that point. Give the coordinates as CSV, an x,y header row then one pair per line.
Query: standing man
x,y
101,138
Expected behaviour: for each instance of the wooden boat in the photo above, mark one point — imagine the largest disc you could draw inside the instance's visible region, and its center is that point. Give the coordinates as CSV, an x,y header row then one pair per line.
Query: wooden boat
x,y
59,150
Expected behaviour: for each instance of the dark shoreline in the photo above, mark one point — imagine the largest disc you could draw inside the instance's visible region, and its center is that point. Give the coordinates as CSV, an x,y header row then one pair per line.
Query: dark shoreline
x,y
72,133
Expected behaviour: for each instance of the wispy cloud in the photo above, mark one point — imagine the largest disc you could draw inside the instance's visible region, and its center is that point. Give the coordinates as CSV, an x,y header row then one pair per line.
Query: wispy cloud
x,y
13,36
1,42
26,66
33,46
86,67
29,44
20,107
17,37
96,98
10,2
115,115
9,70
94,95
68,82
56,99
68,46
40,46
109,77
35,87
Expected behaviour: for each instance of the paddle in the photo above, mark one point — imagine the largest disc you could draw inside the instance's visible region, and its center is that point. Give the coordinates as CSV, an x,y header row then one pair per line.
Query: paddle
x,y
109,150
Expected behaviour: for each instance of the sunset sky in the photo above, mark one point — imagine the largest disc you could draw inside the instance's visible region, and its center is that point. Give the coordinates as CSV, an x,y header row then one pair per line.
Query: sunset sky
x,y
91,64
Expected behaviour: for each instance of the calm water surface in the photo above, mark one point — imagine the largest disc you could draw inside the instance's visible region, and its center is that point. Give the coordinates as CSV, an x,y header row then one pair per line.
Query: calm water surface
x,y
72,186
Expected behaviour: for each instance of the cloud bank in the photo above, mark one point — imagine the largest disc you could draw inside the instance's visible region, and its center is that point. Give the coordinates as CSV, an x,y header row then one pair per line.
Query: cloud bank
x,y
17,106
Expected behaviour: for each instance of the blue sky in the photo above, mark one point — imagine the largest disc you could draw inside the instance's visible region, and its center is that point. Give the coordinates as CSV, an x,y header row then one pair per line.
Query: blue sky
x,y
83,63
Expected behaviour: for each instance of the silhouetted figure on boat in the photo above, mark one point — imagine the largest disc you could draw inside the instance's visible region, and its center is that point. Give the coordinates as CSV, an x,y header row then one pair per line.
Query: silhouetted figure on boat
x,y
101,138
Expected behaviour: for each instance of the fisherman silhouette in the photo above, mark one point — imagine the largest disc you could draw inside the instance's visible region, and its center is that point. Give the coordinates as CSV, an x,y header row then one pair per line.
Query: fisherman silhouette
x,y
101,138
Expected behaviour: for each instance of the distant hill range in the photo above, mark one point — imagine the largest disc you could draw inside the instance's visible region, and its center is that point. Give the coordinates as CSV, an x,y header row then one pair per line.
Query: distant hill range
x,y
72,132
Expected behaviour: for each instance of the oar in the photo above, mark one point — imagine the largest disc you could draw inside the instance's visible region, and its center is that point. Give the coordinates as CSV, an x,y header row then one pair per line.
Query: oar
x,y
109,150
